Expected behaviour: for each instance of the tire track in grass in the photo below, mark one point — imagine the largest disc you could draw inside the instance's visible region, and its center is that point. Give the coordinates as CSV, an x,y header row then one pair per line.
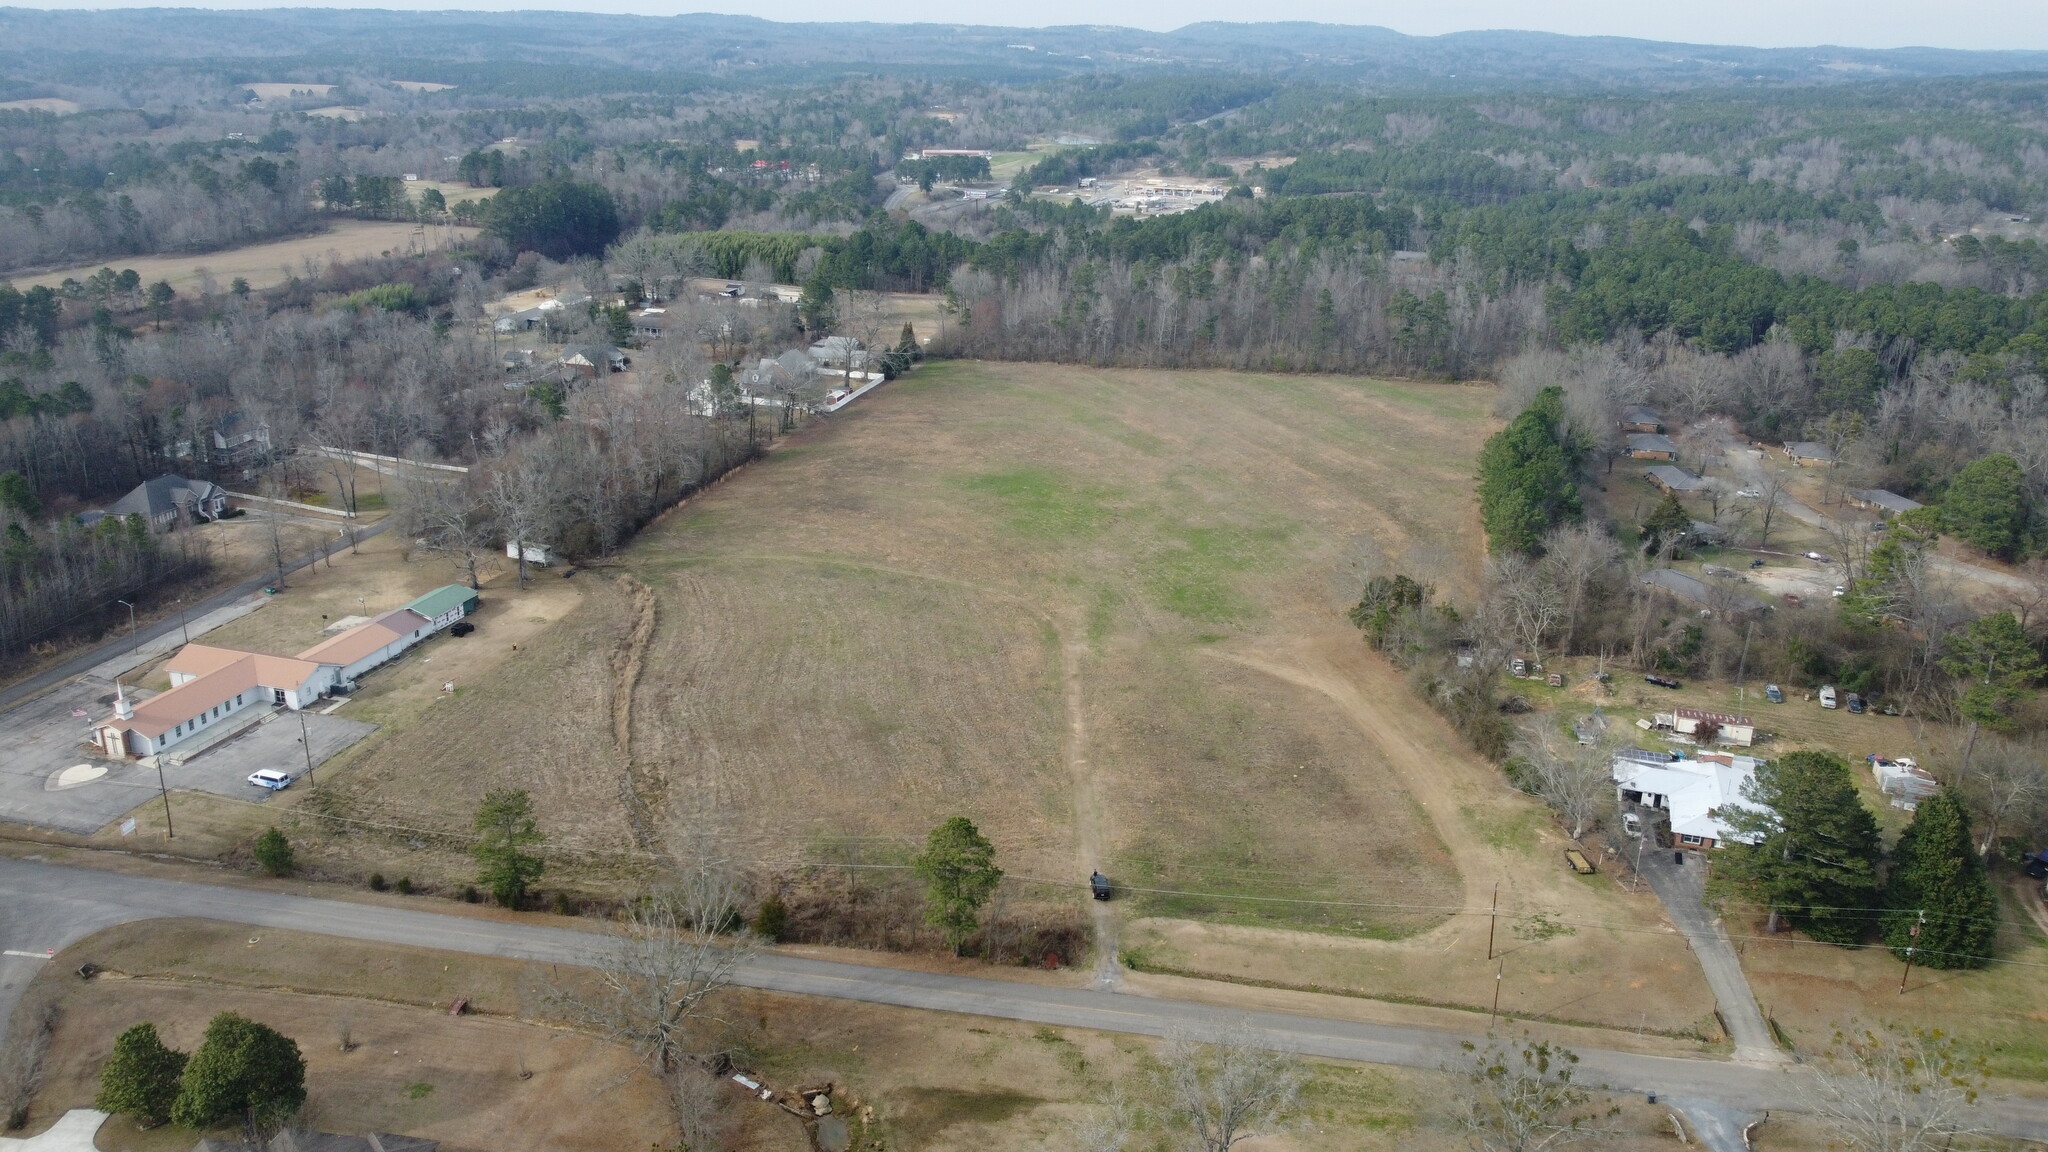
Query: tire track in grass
x,y
1088,833
645,792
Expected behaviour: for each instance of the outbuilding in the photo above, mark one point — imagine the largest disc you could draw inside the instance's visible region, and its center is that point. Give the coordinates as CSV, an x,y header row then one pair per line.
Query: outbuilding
x,y
446,604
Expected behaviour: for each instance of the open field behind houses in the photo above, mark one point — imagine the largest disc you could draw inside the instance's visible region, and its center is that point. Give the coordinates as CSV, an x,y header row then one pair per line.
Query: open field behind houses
x,y
1100,612
264,265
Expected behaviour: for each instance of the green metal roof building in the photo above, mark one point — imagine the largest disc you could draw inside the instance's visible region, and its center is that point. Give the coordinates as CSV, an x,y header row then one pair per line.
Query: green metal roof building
x,y
446,604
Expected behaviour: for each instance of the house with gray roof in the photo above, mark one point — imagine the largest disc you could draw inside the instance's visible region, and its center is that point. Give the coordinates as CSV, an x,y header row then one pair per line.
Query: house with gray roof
x,y
169,499
1651,446
1672,478
1636,418
1885,503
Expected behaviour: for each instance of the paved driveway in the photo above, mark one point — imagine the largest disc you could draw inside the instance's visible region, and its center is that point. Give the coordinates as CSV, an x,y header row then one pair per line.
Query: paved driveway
x,y
41,740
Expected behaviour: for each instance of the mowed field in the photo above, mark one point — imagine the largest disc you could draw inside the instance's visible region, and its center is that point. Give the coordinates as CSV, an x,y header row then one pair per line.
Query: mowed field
x,y
263,265
1099,612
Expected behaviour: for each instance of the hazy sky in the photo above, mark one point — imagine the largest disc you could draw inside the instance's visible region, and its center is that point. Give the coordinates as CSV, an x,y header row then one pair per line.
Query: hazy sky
x,y
1763,23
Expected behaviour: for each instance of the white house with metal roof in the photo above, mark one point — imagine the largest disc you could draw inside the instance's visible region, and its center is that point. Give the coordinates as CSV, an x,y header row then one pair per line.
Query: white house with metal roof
x,y
1698,793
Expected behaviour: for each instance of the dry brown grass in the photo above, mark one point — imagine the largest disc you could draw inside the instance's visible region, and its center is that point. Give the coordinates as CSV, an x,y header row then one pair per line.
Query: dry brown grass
x,y
1100,613
179,974
934,1081
263,265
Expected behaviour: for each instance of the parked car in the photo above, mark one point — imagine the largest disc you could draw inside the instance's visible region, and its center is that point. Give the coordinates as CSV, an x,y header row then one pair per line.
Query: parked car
x,y
1750,494
1757,563
1662,681
271,778
1827,696
461,628
1855,704
1632,825
1817,557
1098,885
1774,694
1841,590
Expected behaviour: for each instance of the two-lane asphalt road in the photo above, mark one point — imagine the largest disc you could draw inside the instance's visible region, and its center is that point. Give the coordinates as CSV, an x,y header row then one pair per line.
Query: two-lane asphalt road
x,y
47,907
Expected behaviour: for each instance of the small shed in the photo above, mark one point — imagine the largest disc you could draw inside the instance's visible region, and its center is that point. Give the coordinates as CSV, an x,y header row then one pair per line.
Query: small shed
x,y
446,604
1723,727
1885,503
1672,478
539,555
1636,418
1651,446
1808,454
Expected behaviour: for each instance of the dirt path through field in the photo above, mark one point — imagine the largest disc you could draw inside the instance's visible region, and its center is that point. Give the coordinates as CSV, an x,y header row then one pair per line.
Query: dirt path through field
x,y
645,790
1088,843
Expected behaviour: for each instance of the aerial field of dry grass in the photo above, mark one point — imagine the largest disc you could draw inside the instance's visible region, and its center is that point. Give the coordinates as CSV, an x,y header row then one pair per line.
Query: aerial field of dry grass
x,y
1099,612
263,265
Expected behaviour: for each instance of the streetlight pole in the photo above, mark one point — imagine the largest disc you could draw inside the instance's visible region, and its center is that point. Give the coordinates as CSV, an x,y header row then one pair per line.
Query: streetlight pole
x,y
131,615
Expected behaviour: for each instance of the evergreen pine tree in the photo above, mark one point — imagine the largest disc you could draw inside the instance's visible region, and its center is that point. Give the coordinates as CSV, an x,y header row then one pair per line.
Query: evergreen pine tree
x,y
1936,873
1815,848
1667,524
1528,477
141,1077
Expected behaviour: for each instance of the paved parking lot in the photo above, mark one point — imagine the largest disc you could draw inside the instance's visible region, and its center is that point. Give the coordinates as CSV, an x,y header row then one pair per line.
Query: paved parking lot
x,y
41,739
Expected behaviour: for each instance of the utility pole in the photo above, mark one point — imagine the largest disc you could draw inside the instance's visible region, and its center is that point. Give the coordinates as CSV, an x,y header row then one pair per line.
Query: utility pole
x,y
1492,919
1742,665
1914,934
164,792
1497,974
306,743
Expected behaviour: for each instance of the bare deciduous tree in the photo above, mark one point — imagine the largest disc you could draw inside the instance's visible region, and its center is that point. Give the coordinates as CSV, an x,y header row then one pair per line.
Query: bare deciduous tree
x,y
2006,782
1524,1099
1770,497
1896,1090
1531,601
1574,557
1108,1129
1574,779
678,949
446,517
1229,1088
699,1103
